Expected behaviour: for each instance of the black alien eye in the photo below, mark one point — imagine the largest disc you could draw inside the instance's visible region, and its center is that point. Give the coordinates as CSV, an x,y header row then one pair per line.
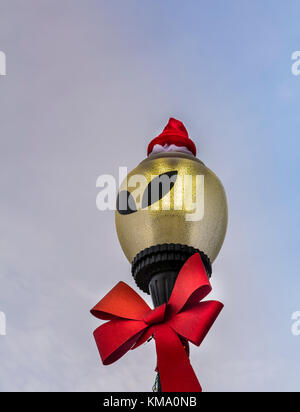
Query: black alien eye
x,y
125,203
158,188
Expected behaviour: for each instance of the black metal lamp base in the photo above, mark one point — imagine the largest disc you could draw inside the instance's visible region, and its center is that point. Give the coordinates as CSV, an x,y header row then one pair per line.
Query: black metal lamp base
x,y
163,263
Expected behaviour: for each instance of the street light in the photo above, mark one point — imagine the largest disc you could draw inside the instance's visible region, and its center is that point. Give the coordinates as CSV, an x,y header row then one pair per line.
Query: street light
x,y
159,236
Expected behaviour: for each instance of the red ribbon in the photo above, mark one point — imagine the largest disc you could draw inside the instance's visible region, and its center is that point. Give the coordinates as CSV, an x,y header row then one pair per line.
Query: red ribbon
x,y
132,322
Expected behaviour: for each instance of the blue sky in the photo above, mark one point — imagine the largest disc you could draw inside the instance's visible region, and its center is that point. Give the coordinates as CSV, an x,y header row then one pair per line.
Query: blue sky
x,y
88,85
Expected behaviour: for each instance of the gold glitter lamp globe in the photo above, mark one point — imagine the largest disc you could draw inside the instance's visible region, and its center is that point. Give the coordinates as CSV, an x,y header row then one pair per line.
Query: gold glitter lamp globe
x,y
168,208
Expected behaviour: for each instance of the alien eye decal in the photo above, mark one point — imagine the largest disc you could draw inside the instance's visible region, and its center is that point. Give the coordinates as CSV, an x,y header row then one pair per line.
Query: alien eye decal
x,y
158,188
125,203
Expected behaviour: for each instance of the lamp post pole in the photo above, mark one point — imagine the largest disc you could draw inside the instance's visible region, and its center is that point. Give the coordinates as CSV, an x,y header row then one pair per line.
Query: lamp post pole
x,y
155,271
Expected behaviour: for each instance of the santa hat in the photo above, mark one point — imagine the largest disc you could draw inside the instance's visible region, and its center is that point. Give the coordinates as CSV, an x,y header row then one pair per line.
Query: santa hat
x,y
173,136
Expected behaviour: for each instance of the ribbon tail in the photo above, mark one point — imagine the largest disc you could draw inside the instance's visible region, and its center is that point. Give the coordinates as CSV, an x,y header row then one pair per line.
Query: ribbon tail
x,y
174,367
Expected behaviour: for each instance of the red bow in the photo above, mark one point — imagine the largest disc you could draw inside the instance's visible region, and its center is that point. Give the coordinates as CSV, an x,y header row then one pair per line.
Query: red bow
x,y
133,322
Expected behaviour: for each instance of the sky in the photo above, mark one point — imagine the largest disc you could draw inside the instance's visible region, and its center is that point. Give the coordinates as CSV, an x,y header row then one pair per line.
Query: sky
x,y
88,85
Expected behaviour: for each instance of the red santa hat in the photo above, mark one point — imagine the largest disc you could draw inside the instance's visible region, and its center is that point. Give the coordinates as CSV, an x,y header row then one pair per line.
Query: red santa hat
x,y
173,134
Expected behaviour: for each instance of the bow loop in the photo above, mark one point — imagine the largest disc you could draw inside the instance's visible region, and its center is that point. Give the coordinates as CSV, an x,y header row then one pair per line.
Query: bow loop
x,y
195,322
122,302
192,285
117,337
